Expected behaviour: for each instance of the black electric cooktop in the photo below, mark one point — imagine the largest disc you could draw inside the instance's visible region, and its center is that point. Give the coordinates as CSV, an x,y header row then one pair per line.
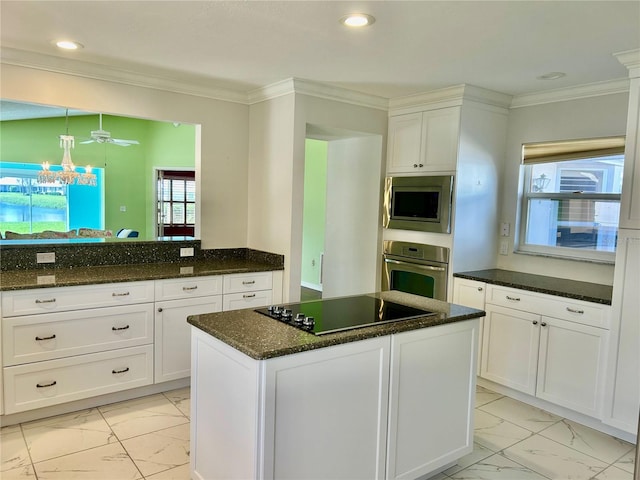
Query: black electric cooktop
x,y
338,314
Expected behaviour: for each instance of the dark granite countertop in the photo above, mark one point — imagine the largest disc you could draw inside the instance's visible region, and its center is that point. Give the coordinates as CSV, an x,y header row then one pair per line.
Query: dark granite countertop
x,y
65,277
588,292
261,337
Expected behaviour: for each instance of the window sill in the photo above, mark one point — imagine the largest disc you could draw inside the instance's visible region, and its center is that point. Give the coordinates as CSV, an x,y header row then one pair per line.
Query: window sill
x,y
558,256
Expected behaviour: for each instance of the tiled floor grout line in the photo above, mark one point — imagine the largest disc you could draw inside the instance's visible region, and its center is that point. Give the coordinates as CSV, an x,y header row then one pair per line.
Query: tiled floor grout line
x,y
120,442
24,439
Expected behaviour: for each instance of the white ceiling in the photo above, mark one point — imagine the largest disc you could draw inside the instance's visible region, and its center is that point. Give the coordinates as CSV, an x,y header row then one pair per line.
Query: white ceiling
x,y
412,47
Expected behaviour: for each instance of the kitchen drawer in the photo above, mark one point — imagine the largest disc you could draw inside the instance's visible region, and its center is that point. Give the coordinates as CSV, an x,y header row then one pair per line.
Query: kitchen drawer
x,y
60,299
586,313
247,282
237,301
36,338
52,382
175,289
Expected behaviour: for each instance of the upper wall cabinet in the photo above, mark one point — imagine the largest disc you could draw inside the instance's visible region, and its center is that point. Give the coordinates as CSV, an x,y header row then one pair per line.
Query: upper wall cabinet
x,y
630,201
424,142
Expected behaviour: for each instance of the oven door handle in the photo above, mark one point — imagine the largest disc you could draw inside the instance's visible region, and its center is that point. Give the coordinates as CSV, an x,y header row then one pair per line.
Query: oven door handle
x,y
416,265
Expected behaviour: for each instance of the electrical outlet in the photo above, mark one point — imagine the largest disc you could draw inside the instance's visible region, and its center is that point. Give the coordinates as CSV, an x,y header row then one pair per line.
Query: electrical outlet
x,y
504,229
186,252
504,247
48,257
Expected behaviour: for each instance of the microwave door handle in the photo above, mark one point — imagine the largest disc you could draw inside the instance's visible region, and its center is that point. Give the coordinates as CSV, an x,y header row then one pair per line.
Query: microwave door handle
x,y
416,265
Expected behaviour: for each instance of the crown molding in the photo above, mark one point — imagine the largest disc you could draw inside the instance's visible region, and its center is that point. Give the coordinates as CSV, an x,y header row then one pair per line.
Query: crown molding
x,y
196,86
631,60
609,87
159,81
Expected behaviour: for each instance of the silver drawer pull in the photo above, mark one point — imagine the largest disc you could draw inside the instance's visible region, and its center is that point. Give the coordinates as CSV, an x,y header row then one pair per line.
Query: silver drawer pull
x,y
41,339
188,289
250,282
574,310
116,329
513,299
479,289
47,385
125,294
249,295
115,372
51,300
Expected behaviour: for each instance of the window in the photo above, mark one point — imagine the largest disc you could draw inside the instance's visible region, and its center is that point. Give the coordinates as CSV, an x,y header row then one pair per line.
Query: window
x,y
571,198
27,206
176,203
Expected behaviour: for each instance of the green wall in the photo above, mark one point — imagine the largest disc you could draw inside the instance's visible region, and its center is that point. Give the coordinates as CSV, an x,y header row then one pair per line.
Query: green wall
x,y
314,210
128,170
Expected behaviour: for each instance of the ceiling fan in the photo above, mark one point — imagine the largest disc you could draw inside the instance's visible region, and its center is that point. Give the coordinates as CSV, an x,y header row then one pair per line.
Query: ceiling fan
x,y
102,136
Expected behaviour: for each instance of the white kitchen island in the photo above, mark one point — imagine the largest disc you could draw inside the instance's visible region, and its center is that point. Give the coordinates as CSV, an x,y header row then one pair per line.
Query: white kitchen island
x,y
270,401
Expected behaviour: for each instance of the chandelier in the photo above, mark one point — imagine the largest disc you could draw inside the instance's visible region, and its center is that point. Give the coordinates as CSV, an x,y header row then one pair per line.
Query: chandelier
x,y
68,174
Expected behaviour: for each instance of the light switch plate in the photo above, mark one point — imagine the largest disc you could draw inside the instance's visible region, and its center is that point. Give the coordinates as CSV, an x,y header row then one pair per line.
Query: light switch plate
x,y
504,229
48,257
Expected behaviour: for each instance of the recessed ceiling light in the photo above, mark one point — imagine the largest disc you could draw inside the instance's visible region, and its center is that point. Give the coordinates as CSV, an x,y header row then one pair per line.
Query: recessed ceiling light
x,y
69,45
552,76
357,20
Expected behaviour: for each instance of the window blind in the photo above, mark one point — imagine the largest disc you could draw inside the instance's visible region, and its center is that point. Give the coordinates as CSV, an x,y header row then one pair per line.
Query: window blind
x,y
547,152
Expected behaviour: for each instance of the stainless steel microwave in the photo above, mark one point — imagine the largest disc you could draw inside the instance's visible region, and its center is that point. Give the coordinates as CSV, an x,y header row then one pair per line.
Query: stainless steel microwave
x,y
418,203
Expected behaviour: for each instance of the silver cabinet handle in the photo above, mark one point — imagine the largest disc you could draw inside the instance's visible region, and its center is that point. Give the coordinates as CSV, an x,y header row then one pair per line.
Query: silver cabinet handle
x,y
125,294
421,165
513,299
51,300
120,371
160,309
249,295
46,385
188,289
116,329
415,165
535,322
544,324
479,289
250,282
574,310
40,339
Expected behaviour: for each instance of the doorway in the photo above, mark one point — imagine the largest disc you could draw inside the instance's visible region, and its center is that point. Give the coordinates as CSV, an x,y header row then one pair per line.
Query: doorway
x,y
341,213
176,203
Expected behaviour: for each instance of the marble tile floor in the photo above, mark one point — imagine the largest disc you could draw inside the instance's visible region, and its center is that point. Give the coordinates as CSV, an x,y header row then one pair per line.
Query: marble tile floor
x,y
148,438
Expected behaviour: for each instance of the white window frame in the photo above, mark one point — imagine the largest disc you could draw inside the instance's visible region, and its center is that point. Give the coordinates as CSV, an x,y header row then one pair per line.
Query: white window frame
x,y
582,254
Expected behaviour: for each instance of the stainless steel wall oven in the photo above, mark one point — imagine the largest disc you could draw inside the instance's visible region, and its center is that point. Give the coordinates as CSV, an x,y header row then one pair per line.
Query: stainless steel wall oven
x,y
415,268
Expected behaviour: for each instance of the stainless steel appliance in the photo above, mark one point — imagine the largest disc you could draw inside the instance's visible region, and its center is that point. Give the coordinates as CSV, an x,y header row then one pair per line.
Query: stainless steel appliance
x,y
415,268
418,203
338,314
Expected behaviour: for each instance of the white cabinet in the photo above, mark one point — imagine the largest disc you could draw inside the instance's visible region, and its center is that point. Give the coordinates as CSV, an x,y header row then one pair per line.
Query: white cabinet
x,y
424,142
622,399
471,293
403,403
554,359
247,290
176,299
630,199
57,348
425,399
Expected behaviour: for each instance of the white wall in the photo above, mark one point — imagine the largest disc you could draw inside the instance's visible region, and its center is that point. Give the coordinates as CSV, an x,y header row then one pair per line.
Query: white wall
x,y
590,117
222,166
351,241
276,170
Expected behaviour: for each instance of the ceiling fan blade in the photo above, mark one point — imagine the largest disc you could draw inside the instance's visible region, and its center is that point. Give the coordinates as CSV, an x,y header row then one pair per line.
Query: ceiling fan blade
x,y
124,143
91,140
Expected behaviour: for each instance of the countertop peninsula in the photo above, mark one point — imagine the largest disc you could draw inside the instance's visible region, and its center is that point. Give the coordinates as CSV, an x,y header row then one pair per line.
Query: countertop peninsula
x,y
562,287
261,337
89,275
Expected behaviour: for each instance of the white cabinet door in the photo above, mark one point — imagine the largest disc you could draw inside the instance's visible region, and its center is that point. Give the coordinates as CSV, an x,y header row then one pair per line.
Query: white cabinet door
x,y
431,401
173,335
571,365
630,200
440,133
311,396
510,348
471,293
622,398
404,143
